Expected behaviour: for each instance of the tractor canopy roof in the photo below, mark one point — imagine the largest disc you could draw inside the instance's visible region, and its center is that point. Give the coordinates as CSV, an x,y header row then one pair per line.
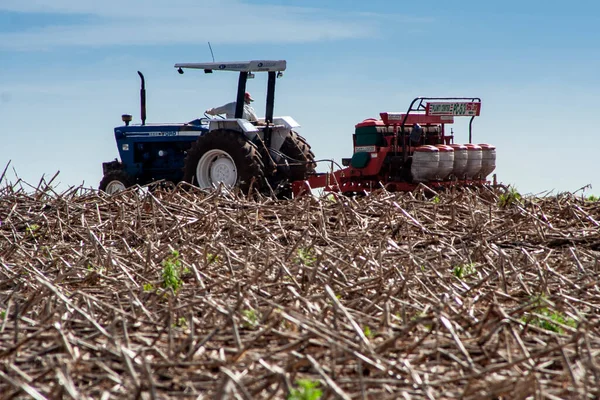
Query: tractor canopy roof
x,y
240,66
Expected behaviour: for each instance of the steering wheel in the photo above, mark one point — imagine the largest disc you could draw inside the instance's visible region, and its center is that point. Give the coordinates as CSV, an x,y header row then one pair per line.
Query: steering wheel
x,y
209,117
198,121
204,120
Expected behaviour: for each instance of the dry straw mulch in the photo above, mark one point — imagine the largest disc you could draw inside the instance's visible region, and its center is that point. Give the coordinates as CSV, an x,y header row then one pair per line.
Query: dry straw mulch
x,y
381,297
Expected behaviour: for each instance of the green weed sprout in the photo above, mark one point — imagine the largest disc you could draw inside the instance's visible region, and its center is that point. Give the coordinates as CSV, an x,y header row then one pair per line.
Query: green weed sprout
x,y
251,318
511,197
555,317
212,258
33,230
172,271
305,256
460,271
307,390
148,287
181,322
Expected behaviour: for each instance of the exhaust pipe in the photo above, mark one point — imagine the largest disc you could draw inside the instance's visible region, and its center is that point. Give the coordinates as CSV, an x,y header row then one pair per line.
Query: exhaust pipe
x,y
143,98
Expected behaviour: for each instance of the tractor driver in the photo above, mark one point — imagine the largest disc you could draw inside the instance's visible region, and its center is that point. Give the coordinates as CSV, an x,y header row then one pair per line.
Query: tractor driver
x,y
229,109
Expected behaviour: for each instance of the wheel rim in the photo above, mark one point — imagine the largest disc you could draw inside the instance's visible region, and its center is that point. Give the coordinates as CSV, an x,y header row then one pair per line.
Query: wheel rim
x,y
215,167
115,187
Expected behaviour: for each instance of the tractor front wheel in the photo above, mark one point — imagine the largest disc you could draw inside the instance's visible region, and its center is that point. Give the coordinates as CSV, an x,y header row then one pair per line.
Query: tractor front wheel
x,y
115,181
224,157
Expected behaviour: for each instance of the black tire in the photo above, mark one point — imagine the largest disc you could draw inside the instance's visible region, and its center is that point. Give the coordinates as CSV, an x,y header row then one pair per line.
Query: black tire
x,y
247,160
113,180
301,157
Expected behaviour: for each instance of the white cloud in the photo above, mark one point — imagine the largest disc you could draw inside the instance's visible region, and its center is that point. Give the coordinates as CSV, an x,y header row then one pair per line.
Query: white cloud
x,y
160,22
112,8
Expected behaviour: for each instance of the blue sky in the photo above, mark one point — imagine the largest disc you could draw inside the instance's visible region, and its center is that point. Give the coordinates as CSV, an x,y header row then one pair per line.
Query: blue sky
x,y
68,72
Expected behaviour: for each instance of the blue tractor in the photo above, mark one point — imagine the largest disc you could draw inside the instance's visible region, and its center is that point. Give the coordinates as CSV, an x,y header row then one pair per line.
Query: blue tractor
x,y
263,156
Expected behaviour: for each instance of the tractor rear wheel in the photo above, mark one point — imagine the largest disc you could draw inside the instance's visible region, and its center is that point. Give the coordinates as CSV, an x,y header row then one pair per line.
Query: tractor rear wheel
x,y
224,157
115,181
301,158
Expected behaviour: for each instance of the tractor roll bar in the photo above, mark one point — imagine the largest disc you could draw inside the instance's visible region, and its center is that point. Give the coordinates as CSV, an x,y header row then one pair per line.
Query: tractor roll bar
x,y
274,68
239,101
421,107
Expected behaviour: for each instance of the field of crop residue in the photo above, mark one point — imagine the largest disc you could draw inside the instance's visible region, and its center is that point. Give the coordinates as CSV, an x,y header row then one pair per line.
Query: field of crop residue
x,y
187,294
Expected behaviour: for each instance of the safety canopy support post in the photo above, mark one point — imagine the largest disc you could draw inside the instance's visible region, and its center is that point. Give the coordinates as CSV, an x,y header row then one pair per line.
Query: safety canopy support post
x,y
239,105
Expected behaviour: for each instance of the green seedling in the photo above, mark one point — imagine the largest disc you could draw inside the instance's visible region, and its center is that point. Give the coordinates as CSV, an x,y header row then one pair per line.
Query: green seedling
x,y
212,258
511,197
95,268
305,256
436,200
460,271
33,230
555,317
367,331
331,198
181,322
306,390
593,198
172,271
148,287
414,317
251,318
419,316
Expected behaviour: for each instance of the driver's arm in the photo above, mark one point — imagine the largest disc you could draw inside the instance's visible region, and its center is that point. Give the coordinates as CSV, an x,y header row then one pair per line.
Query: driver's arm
x,y
221,110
